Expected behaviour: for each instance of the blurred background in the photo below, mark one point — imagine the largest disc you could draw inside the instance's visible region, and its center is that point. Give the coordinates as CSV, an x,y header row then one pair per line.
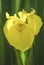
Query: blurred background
x,y
8,54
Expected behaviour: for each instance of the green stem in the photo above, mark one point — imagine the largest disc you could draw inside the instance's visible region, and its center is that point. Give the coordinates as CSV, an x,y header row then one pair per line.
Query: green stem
x,y
23,57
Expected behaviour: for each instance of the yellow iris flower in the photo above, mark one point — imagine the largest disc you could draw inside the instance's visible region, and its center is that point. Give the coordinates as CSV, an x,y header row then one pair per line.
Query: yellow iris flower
x,y
20,31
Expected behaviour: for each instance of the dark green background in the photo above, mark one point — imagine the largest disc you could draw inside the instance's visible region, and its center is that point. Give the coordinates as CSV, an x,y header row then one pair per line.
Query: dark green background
x,y
8,54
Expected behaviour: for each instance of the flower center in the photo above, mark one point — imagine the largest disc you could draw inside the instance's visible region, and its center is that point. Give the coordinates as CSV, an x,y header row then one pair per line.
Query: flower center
x,y
20,27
